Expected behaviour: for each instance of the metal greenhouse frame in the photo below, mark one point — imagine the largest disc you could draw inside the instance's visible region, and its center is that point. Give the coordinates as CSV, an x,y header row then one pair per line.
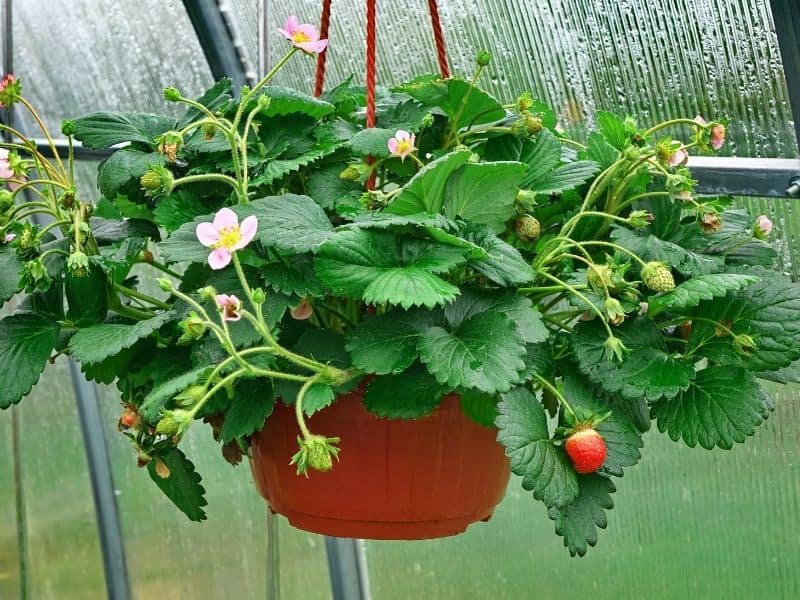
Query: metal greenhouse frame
x,y
776,178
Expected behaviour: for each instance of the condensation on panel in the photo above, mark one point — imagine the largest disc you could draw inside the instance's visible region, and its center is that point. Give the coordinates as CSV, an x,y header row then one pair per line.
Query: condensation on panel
x,y
9,552
64,551
786,233
82,56
650,59
687,523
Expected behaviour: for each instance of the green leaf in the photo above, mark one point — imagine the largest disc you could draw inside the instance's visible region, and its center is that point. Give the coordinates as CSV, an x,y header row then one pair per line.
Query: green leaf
x,y
600,151
768,311
649,248
455,97
178,208
371,142
183,485
378,267
704,287
613,129
252,403
485,352
405,396
98,342
519,309
577,522
480,407
286,101
504,265
125,165
425,192
295,278
318,396
273,170
563,178
103,129
132,210
164,392
647,371
387,343
484,193
113,231
10,267
724,405
621,437
328,190
26,342
290,222
541,153
544,467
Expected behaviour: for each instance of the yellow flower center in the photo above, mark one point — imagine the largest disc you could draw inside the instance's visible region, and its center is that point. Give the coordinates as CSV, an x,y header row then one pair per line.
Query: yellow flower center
x,y
299,37
404,146
228,238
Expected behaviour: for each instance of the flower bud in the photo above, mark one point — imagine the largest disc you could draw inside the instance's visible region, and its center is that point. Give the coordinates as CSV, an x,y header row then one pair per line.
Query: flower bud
x,y
259,296
264,102
640,218
426,121
658,277
614,310
483,58
35,276
632,153
744,344
68,127
174,422
763,227
209,131
165,284
526,198
190,396
193,328
351,173
209,293
524,102
6,200
157,181
172,94
613,348
710,222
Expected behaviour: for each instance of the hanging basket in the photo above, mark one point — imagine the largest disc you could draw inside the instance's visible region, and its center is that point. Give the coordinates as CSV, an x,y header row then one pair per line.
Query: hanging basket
x,y
395,480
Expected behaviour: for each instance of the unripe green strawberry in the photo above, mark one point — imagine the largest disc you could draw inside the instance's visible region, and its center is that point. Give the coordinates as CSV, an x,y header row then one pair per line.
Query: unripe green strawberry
x,y
658,277
587,450
599,277
528,228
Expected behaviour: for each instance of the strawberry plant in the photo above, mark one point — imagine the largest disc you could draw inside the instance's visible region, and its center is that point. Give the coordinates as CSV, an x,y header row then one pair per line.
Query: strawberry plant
x,y
571,292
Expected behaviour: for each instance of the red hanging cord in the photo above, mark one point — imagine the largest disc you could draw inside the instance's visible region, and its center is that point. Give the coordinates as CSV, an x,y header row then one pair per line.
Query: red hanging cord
x,y
371,68
325,21
438,37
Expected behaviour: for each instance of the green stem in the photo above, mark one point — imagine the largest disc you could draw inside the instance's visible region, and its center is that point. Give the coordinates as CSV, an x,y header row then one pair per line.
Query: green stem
x,y
131,293
615,247
207,177
554,390
577,294
221,384
161,267
298,406
45,132
454,127
672,122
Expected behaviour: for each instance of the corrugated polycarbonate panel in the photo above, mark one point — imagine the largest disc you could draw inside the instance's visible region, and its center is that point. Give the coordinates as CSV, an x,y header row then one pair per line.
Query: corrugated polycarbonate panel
x,y
650,59
85,55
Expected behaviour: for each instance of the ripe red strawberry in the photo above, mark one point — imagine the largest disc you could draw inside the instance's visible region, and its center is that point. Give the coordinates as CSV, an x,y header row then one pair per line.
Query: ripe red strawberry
x,y
587,450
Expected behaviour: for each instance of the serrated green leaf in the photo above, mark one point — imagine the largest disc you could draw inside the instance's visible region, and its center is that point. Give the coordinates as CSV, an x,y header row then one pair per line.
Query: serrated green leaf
x,y
544,467
484,193
286,101
328,190
252,403
405,396
723,406
564,178
704,287
103,129
621,437
178,208
10,267
647,371
387,343
275,169
111,231
504,265
291,222
132,210
124,166
295,277
98,342
577,522
650,248
480,407
455,97
519,309
371,142
164,392
378,267
183,485
425,192
600,151
613,129
768,311
26,342
485,352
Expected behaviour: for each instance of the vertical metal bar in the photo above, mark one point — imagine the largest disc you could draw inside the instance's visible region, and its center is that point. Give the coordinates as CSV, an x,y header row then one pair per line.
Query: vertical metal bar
x,y
105,501
347,566
216,40
263,37
273,557
786,17
16,426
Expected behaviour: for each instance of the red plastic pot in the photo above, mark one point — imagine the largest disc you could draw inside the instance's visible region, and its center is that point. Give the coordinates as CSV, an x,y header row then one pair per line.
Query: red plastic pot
x,y
395,480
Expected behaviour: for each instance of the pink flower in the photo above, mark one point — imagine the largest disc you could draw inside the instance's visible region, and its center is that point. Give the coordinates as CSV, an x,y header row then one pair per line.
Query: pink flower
x,y
9,237
225,236
230,307
679,157
717,134
402,144
7,171
303,36
302,311
763,227
9,80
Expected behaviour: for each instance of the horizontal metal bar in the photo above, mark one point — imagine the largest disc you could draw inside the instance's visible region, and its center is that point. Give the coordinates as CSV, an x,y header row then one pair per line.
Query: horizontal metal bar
x,y
79,151
767,177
